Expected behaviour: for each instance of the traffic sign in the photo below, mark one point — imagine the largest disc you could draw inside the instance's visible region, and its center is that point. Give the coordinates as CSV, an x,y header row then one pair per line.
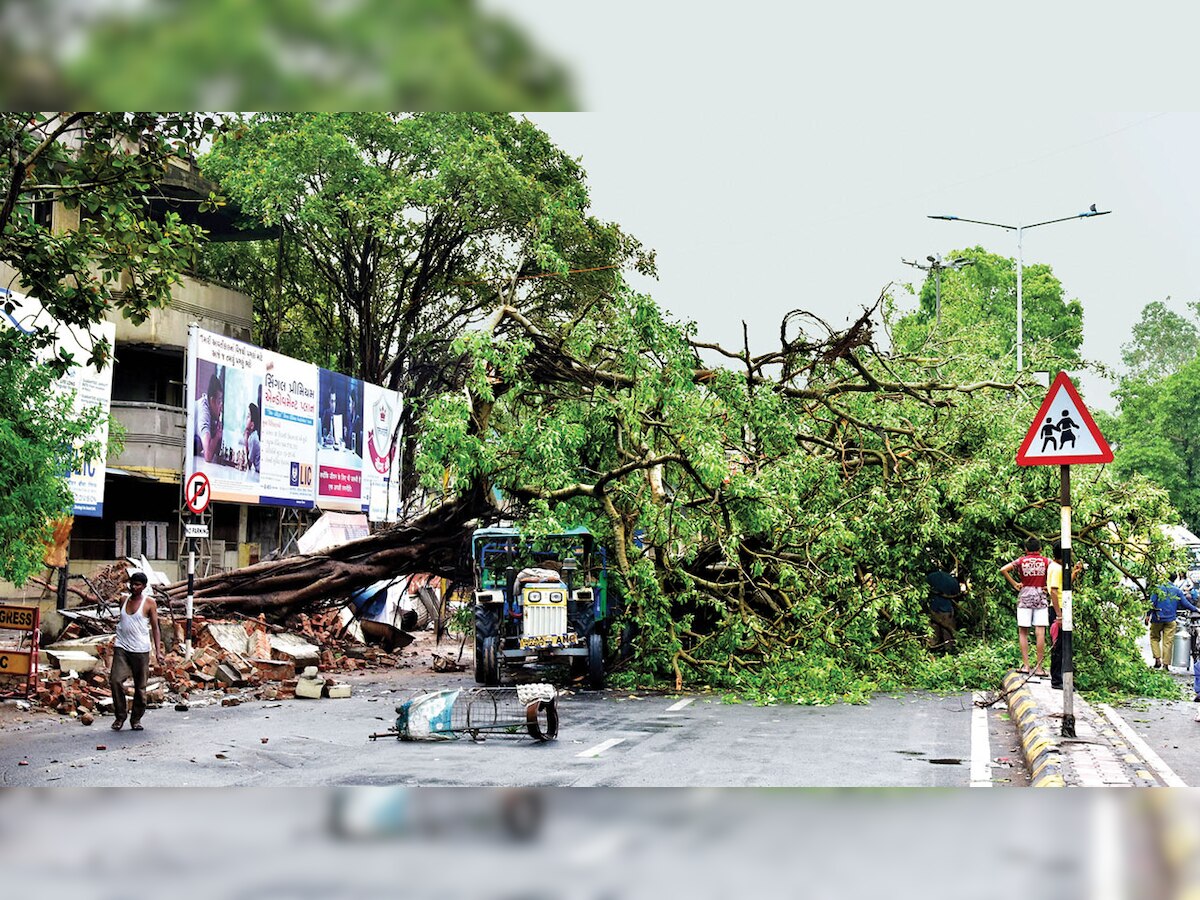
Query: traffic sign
x,y
195,529
195,492
1063,432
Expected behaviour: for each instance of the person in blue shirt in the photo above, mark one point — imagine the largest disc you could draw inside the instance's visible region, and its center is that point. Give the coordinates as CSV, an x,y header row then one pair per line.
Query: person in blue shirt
x,y
1167,599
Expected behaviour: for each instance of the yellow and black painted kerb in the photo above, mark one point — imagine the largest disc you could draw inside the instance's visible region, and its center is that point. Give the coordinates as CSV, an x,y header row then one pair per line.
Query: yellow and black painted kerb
x,y
1041,750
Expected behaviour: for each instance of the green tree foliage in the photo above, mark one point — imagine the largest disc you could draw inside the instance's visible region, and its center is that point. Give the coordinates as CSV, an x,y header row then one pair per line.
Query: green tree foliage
x,y
41,440
402,231
979,304
104,167
1155,431
1161,343
787,506
371,54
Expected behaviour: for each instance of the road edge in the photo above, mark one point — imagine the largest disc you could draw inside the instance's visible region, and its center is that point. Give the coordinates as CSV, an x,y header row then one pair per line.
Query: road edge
x,y
1042,758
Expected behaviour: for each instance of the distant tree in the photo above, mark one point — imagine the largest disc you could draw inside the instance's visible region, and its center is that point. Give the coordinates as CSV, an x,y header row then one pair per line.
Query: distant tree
x,y
979,307
1156,434
1161,343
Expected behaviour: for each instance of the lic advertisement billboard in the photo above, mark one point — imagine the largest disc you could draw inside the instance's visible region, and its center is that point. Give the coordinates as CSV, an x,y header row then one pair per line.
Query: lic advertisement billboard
x,y
269,429
89,387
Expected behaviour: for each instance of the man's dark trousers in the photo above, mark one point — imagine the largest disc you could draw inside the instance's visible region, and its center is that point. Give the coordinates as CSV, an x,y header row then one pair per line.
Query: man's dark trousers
x,y
1055,655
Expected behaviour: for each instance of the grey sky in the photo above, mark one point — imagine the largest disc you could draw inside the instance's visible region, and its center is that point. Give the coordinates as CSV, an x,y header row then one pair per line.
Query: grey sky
x,y
783,157
763,215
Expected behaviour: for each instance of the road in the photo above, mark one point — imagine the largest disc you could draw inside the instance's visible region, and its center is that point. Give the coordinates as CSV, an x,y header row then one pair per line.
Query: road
x,y
605,739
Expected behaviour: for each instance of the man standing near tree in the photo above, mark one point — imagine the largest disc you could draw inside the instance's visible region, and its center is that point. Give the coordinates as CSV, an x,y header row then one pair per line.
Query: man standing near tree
x,y
1166,599
1054,586
944,591
131,651
1032,604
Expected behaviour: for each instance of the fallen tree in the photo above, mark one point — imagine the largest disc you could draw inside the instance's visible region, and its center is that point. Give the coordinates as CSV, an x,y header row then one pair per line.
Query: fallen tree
x,y
771,521
433,542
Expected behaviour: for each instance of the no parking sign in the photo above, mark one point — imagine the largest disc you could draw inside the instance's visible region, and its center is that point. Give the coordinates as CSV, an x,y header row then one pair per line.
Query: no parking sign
x,y
196,492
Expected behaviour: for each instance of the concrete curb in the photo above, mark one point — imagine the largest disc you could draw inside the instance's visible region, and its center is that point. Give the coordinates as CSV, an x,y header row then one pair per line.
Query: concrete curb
x,y
1040,749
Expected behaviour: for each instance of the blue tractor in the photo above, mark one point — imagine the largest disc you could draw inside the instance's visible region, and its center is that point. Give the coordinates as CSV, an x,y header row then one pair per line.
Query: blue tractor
x,y
539,601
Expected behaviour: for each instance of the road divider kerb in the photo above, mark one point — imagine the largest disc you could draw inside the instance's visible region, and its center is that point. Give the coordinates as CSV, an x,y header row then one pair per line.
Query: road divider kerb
x,y
1042,758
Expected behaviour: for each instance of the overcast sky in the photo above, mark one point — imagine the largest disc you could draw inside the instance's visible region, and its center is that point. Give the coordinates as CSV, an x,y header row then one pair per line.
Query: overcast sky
x,y
771,169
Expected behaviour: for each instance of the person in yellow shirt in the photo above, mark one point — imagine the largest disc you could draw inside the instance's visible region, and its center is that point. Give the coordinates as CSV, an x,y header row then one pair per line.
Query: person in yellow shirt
x,y
1054,588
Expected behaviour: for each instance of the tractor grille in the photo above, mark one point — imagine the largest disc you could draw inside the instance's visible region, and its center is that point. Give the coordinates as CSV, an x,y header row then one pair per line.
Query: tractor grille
x,y
544,610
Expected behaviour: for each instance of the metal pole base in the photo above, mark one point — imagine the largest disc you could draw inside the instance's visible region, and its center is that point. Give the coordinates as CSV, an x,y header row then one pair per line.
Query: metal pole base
x,y
1068,726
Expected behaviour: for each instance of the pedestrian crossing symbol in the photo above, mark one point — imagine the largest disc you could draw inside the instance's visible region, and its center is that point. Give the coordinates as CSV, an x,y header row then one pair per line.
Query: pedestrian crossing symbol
x,y
1063,433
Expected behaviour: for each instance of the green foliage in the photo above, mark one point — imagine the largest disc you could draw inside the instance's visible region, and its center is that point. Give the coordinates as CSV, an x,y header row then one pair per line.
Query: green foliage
x,y
1161,343
979,314
103,167
1156,432
298,54
401,232
788,518
40,442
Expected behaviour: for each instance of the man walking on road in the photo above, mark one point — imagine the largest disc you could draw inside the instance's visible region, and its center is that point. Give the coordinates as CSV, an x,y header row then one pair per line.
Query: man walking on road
x,y
1166,599
131,651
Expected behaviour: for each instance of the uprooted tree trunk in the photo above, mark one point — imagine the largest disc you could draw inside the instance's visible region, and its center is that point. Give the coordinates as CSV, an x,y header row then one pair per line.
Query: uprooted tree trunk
x,y
432,543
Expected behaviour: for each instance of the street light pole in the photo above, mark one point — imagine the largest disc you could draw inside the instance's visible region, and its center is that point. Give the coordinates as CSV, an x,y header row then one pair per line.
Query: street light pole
x,y
936,266
1019,229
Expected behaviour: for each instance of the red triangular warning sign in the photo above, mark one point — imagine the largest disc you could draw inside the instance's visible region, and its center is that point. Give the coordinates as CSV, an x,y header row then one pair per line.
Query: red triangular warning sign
x,y
1063,433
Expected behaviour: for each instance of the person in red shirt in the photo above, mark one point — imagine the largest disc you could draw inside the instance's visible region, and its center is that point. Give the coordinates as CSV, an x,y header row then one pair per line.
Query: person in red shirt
x,y
1032,603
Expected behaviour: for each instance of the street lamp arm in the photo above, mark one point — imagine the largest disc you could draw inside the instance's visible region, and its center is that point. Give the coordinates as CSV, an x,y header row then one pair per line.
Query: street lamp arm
x,y
975,222
1082,215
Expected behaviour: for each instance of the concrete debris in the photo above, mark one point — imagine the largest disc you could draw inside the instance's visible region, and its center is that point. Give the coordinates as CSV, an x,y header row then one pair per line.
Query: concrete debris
x,y
314,687
248,659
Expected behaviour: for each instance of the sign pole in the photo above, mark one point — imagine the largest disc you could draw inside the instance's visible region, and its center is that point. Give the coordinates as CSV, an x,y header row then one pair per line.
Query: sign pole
x,y
187,628
1064,433
195,498
1066,626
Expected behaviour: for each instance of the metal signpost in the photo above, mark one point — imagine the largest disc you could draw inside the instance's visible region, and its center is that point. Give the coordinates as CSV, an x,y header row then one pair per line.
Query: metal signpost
x,y
195,498
1064,433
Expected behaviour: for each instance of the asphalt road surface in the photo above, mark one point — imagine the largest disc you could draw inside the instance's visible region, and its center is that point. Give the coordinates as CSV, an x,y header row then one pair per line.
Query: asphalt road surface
x,y
605,739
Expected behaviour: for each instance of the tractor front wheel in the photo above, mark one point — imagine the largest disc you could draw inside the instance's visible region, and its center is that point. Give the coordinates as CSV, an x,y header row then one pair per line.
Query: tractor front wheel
x,y
595,661
491,661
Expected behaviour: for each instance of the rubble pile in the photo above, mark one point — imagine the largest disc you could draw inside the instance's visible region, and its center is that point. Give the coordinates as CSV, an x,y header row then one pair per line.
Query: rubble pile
x,y
231,661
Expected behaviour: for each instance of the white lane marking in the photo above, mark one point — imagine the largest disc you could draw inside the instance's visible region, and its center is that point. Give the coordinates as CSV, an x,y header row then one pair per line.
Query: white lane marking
x,y
593,752
685,702
1152,759
981,748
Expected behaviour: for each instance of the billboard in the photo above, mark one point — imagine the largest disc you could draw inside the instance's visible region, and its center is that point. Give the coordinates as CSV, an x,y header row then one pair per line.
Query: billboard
x,y
90,389
269,429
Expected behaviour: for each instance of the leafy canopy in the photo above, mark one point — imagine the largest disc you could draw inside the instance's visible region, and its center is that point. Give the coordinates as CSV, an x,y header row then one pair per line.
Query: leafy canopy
x,y
979,313
787,507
